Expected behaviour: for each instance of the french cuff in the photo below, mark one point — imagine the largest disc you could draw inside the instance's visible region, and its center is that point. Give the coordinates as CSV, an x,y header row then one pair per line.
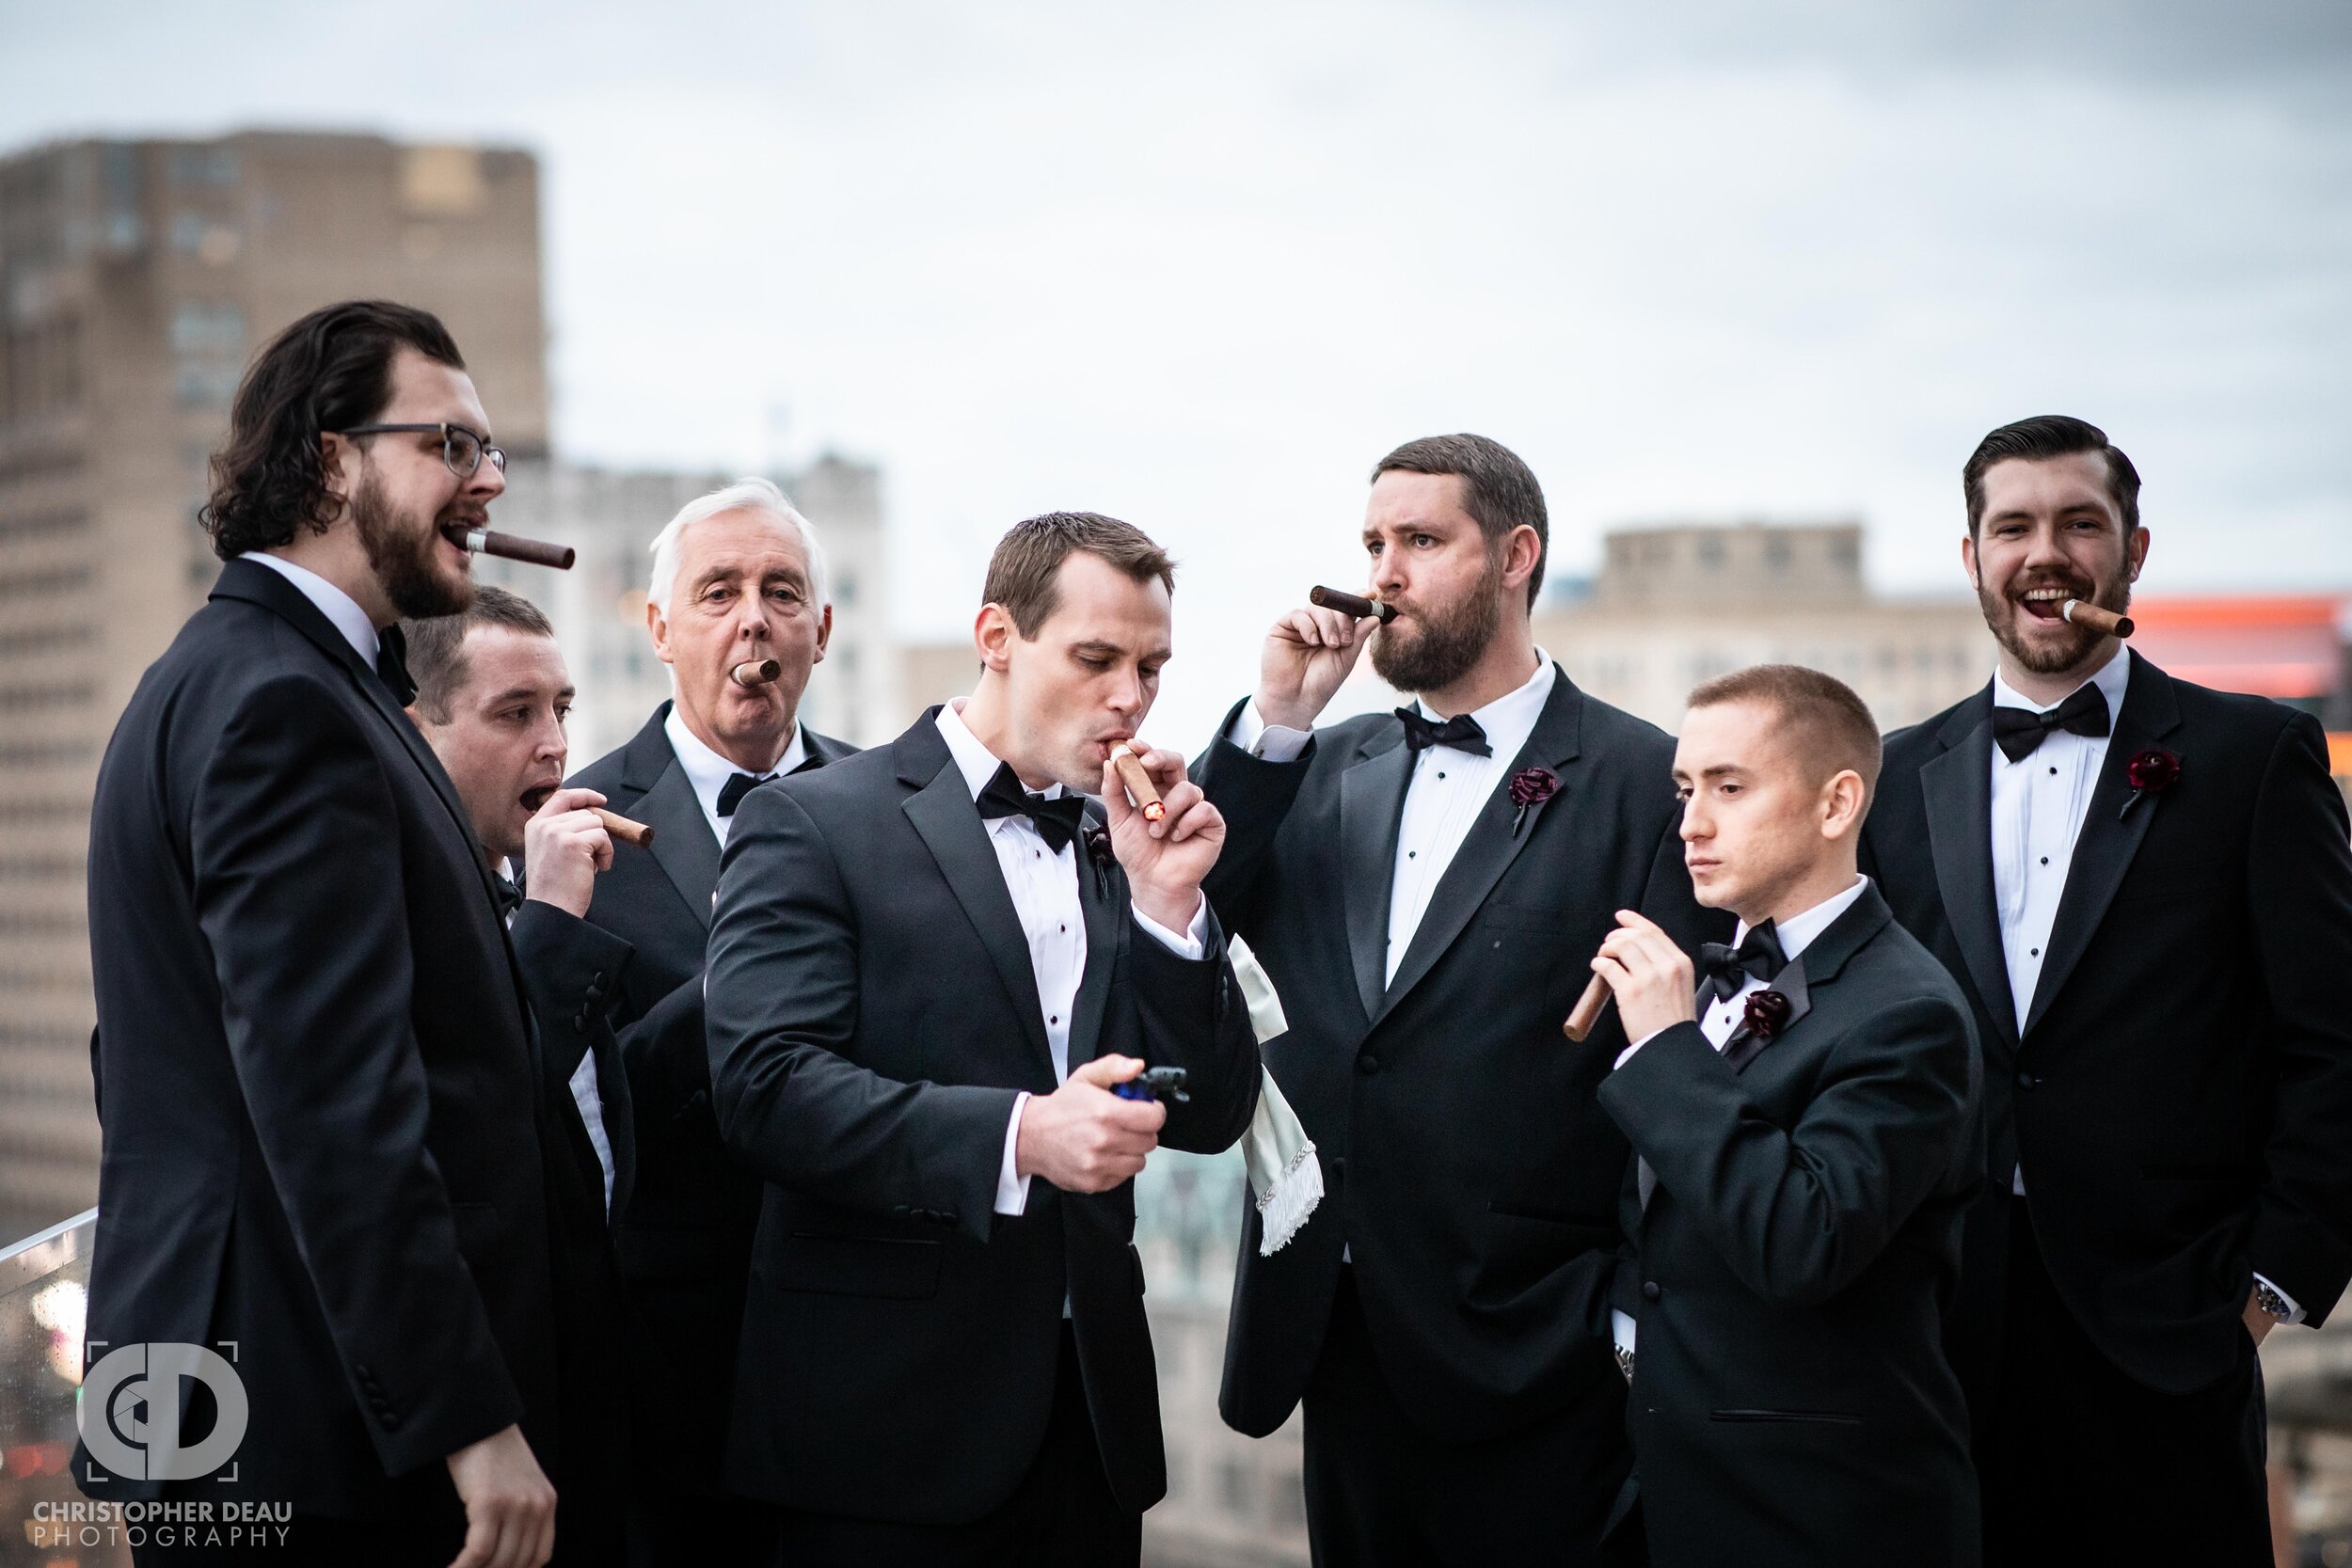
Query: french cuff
x,y
1621,1333
2295,1309
1012,1189
1265,741
1626,1054
1193,944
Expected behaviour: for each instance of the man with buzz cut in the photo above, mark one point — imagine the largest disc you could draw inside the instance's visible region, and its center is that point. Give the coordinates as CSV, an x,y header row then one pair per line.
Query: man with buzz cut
x,y
931,967
1806,1138
2144,888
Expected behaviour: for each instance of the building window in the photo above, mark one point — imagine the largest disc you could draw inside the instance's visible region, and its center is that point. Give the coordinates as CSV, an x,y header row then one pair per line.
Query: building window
x,y
1710,553
201,327
214,166
1775,554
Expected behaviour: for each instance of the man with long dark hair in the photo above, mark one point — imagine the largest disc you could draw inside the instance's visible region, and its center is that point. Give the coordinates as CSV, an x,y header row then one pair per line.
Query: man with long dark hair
x,y
314,1065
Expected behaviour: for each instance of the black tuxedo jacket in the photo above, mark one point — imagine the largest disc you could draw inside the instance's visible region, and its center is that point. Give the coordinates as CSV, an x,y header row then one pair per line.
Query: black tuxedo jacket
x,y
1790,1402
873,1014
1466,1163
685,1237
2180,1088
319,1097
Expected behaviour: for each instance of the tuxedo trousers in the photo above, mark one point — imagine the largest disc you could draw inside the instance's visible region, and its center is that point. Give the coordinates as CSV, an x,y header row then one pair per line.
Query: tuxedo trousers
x,y
1382,1493
1061,1515
2081,1464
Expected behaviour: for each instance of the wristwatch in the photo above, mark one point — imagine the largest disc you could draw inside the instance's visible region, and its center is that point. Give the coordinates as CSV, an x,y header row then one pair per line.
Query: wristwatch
x,y
2269,1300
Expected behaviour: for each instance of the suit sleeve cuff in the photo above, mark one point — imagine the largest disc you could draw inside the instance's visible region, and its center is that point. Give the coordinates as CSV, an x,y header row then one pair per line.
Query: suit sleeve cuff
x,y
1268,742
1193,943
1012,1190
2295,1309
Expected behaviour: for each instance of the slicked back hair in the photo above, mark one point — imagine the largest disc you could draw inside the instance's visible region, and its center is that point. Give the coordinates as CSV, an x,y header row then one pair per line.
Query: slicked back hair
x,y
1023,574
1823,718
437,647
332,370
1499,491
2038,440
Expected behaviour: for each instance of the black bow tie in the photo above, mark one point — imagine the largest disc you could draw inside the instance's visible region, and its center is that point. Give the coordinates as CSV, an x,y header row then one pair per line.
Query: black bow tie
x,y
391,664
1057,820
1461,732
1723,971
510,898
732,792
2018,731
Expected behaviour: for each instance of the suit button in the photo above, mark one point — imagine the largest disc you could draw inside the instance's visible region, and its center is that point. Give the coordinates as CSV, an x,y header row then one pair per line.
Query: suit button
x,y
2027,1081
1650,1290
1367,1065
1339,1167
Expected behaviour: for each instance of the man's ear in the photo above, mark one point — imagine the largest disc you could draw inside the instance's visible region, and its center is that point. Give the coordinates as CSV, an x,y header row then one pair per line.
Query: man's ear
x,y
824,634
337,458
658,627
1968,559
992,632
1843,801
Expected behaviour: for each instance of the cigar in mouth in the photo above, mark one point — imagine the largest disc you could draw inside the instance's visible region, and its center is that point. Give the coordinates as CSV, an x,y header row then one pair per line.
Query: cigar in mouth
x,y
756,671
2106,623
1350,604
1588,1011
510,547
1130,770
622,828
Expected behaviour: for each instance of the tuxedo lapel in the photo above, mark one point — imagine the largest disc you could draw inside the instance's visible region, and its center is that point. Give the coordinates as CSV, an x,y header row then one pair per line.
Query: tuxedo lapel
x,y
1372,803
1490,845
682,843
2110,836
1958,786
1745,1045
943,813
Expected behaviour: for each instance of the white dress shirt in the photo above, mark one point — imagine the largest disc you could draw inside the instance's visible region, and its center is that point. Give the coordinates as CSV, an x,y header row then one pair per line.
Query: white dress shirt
x,y
2040,803
336,605
582,1083
708,772
1796,934
1442,799
1043,883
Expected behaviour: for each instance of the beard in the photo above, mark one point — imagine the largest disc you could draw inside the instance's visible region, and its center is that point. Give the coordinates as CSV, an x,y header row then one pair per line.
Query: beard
x,y
1451,639
2004,615
401,554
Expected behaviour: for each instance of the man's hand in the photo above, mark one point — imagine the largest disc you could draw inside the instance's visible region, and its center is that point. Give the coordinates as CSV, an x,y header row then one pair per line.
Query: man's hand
x,y
2258,1322
564,849
510,1507
1307,654
1082,1137
1650,975
1167,860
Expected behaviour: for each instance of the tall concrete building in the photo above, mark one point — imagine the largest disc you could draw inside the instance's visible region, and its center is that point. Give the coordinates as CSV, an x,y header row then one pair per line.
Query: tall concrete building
x,y
137,280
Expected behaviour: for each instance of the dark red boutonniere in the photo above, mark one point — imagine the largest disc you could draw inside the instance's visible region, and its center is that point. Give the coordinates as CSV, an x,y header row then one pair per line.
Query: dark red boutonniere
x,y
2151,772
1767,1013
1531,787
1098,843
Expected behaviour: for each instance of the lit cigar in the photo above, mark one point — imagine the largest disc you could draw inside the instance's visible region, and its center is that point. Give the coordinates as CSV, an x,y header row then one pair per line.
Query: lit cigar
x,y
756,671
622,828
2106,623
1351,604
1139,783
1588,1010
510,547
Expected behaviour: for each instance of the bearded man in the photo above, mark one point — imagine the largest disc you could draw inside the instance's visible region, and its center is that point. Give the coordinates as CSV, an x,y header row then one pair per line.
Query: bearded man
x,y
1426,889
321,1188
2145,888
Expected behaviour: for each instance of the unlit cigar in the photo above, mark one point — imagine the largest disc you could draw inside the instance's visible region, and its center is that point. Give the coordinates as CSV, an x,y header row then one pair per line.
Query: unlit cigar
x,y
622,828
512,546
1350,604
756,671
1139,783
2106,623
1588,1010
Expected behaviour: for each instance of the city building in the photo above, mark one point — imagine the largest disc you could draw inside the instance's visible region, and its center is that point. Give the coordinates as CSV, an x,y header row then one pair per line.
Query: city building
x,y
136,279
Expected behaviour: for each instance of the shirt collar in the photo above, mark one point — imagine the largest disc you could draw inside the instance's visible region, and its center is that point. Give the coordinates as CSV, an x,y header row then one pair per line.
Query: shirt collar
x,y
976,762
2113,676
1797,933
337,606
1510,719
707,770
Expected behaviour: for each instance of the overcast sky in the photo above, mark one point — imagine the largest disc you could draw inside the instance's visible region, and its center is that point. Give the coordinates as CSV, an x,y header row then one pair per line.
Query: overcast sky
x,y
1199,265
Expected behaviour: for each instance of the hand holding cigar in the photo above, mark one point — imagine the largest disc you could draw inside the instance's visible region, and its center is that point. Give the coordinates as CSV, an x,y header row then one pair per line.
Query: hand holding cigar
x,y
2106,623
1140,786
1350,604
510,547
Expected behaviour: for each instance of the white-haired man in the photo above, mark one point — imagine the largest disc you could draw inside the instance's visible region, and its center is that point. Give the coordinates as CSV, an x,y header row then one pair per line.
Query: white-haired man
x,y
737,576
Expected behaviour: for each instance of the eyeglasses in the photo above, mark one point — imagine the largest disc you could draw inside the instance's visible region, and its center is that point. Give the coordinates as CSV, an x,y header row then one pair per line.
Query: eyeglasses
x,y
461,449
